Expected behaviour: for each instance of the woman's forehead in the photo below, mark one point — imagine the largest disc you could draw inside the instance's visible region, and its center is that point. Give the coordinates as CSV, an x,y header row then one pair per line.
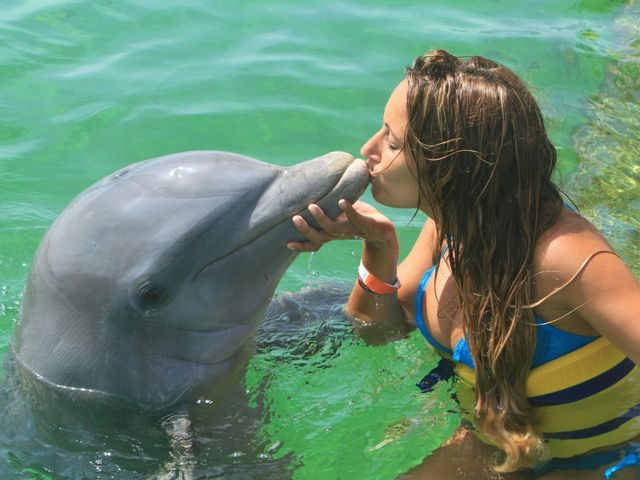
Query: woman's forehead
x,y
395,112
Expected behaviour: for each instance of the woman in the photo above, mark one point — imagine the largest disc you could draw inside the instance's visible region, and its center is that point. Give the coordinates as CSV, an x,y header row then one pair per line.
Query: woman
x,y
527,298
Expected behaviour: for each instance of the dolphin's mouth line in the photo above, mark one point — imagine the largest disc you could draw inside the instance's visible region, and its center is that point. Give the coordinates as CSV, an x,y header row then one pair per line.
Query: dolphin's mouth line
x,y
204,347
201,362
239,247
287,218
71,390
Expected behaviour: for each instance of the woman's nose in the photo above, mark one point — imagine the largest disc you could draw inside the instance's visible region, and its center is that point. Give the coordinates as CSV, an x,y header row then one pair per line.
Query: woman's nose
x,y
369,150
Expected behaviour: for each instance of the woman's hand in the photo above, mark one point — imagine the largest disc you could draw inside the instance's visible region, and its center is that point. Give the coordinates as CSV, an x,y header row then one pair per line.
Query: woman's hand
x,y
377,318
358,220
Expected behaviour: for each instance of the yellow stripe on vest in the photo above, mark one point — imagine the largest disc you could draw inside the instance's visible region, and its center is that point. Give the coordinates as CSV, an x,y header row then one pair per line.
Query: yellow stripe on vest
x,y
575,368
571,369
591,411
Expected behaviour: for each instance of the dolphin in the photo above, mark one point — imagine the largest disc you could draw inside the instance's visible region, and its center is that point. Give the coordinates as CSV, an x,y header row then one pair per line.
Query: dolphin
x,y
146,290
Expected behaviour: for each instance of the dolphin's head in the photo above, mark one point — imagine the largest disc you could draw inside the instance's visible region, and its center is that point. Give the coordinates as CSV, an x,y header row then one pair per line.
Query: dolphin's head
x,y
149,285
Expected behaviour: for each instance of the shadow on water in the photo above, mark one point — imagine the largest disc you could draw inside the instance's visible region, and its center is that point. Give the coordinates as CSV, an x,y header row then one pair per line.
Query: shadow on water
x,y
343,407
54,437
606,183
50,435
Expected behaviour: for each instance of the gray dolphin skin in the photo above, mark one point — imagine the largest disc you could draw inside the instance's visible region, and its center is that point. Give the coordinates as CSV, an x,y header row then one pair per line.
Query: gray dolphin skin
x,y
147,288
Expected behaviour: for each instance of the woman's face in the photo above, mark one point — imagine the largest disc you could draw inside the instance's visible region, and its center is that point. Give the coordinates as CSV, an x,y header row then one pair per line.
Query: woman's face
x,y
393,180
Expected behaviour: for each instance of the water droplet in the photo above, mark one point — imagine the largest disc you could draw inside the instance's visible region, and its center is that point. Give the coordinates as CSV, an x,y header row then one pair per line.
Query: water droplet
x,y
378,301
119,174
309,265
274,447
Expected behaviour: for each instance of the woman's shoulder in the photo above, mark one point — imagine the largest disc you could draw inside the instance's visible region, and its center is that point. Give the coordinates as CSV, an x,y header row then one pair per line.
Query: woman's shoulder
x,y
580,280
567,244
562,254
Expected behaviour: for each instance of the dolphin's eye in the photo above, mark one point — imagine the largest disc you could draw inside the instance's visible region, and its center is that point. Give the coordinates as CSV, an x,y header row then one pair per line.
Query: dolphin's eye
x,y
149,295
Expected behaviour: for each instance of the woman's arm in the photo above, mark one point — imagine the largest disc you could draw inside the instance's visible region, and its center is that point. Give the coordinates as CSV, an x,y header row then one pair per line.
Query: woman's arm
x,y
380,317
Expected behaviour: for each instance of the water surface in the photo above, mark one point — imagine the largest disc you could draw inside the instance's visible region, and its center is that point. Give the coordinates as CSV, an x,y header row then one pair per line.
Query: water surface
x,y
88,87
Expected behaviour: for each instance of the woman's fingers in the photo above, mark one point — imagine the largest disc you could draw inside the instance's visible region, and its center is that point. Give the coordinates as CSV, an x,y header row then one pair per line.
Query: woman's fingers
x,y
351,224
352,214
365,219
310,233
340,228
303,246
370,223
325,223
315,238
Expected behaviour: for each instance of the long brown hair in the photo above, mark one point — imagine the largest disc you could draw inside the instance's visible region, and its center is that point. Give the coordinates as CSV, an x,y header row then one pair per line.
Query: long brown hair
x,y
484,165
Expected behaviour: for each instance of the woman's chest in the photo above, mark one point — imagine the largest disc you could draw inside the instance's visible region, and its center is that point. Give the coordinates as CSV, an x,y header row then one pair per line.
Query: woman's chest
x,y
443,316
441,307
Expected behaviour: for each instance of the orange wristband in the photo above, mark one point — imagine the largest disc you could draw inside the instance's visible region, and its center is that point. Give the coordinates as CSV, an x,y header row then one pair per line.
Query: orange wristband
x,y
373,284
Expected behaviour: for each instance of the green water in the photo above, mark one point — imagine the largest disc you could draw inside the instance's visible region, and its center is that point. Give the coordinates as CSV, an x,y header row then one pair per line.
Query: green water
x,y
87,87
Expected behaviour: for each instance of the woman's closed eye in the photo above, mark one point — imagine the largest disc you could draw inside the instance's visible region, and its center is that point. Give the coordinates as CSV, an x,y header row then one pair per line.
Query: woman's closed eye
x,y
393,145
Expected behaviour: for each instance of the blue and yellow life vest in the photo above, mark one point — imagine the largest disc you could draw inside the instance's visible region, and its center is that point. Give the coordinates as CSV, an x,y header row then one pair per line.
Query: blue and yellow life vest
x,y
583,400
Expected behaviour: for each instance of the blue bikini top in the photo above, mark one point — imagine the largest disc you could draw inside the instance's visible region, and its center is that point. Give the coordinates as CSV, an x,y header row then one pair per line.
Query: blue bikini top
x,y
551,341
